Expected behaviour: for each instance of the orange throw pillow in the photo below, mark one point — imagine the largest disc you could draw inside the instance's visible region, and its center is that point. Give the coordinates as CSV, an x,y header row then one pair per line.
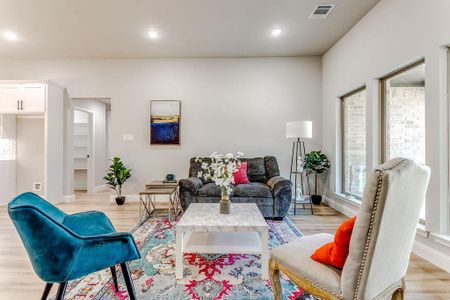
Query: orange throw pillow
x,y
335,253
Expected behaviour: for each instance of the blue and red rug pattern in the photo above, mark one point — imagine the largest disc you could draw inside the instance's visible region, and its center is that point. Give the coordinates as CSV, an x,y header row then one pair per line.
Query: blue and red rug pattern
x,y
206,276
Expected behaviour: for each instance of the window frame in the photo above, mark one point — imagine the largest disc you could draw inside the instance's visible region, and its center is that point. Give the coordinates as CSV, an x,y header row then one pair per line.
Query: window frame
x,y
342,139
382,87
447,73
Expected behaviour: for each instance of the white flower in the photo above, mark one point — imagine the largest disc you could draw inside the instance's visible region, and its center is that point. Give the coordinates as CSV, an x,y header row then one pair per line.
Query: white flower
x,y
221,169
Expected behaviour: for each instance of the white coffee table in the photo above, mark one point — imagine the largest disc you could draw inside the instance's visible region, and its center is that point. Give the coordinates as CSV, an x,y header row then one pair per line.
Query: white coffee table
x,y
203,230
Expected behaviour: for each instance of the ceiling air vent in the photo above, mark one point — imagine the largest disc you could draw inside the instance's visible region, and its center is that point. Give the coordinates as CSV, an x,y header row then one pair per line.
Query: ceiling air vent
x,y
321,11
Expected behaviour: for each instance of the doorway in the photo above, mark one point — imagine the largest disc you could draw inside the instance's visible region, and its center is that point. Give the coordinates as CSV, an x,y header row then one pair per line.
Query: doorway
x,y
82,150
91,143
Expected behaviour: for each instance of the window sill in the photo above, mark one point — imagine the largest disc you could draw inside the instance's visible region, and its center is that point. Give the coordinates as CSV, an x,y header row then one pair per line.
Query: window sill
x,y
422,231
443,239
346,199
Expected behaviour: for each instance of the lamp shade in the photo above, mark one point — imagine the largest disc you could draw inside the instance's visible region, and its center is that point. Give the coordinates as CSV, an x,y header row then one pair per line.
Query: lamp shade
x,y
299,129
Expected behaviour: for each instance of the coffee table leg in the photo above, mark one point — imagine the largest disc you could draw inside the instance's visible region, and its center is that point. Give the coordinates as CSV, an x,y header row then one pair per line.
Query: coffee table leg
x,y
265,255
179,255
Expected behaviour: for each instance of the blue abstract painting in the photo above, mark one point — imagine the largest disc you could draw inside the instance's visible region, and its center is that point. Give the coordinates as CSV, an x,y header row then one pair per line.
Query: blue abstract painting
x,y
165,122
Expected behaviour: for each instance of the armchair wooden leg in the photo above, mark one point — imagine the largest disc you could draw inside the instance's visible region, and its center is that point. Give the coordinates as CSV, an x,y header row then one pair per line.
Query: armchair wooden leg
x,y
274,274
398,294
128,282
61,291
114,277
47,289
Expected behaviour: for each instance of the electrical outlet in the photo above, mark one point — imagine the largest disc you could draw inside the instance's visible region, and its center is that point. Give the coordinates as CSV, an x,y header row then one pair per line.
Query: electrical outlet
x,y
37,186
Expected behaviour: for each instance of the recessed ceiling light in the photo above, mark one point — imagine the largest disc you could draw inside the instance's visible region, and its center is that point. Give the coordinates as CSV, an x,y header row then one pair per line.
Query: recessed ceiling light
x,y
11,36
153,34
276,32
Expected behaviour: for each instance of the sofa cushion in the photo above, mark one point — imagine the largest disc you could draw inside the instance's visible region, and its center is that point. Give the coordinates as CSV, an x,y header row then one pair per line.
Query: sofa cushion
x,y
210,190
196,166
256,170
253,189
296,256
271,166
260,201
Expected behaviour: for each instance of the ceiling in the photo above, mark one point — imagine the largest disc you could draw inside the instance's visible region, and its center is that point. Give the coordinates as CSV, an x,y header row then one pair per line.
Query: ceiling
x,y
186,28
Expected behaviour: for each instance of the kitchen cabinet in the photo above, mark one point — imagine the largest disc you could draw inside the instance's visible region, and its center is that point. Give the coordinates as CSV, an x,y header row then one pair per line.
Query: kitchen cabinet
x,y
22,98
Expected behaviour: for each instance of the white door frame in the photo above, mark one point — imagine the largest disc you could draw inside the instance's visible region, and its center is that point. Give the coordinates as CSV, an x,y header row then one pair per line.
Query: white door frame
x,y
91,149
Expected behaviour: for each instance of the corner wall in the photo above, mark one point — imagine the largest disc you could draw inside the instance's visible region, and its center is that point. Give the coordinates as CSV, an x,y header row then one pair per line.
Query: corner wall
x,y
393,34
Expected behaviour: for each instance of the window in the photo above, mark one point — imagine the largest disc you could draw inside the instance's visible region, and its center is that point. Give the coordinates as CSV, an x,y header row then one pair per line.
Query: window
x,y
403,115
353,141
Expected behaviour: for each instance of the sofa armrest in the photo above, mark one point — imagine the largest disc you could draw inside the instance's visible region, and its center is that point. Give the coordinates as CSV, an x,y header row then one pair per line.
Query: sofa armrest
x,y
192,184
277,183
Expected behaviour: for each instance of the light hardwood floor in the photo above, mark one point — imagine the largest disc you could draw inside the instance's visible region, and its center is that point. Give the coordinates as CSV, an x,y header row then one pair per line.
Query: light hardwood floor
x,y
18,281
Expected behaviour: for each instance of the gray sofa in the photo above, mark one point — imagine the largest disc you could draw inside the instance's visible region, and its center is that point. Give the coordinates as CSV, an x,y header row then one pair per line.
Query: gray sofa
x,y
271,192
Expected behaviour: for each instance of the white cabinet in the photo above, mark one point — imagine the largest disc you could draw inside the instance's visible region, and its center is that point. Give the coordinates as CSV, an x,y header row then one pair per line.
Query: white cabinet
x,y
9,98
33,98
22,98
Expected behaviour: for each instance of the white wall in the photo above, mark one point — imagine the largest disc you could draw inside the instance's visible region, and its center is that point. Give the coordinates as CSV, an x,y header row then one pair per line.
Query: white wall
x,y
391,35
8,167
30,154
108,137
227,104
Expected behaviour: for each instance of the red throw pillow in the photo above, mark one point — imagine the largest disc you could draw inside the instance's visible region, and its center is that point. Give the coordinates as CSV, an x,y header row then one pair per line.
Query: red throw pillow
x,y
240,177
335,253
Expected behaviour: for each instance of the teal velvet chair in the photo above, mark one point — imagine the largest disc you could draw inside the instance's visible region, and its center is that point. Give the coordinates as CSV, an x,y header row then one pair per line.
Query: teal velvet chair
x,y
64,247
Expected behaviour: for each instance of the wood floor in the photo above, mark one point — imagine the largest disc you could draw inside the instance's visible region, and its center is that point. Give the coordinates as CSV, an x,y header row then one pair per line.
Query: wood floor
x,y
18,281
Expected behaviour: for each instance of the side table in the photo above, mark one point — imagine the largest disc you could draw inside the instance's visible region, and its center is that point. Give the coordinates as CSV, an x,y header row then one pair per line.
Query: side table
x,y
147,199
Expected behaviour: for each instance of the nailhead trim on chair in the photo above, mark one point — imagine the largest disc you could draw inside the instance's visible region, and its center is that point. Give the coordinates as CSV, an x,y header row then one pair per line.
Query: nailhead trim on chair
x,y
369,234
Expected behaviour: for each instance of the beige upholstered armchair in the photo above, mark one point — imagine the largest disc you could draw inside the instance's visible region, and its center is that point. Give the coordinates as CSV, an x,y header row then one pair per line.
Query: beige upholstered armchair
x,y
380,245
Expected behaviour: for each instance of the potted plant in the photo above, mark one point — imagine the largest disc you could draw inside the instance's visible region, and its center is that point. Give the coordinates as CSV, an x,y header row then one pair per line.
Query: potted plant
x,y
116,176
316,162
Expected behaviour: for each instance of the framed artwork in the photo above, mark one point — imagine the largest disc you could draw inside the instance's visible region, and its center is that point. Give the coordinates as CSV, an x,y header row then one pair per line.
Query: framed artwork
x,y
165,122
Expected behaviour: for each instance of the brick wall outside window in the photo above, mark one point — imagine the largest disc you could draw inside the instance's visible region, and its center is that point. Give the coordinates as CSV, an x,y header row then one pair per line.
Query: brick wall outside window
x,y
354,144
405,123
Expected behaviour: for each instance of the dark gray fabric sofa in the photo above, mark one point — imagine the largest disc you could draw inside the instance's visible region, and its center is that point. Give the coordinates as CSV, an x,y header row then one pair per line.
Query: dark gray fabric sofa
x,y
271,192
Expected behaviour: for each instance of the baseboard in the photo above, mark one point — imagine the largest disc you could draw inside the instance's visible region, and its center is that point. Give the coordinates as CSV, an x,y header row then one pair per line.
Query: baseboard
x,y
438,258
112,198
101,188
68,198
347,209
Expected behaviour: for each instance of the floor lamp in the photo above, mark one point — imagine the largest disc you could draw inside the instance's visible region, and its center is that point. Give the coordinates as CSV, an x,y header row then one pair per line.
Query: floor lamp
x,y
298,130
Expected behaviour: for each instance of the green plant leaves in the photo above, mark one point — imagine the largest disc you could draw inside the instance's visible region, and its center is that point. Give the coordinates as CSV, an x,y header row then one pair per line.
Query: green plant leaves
x,y
316,161
117,175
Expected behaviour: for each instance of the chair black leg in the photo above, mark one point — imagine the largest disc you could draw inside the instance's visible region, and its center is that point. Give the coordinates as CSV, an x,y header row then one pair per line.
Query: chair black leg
x,y
61,291
114,277
128,282
47,289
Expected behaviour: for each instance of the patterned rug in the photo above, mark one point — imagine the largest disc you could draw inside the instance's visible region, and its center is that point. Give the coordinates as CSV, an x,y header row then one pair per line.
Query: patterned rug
x,y
206,276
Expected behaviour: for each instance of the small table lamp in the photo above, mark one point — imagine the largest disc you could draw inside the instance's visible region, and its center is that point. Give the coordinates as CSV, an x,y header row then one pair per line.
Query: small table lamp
x,y
298,130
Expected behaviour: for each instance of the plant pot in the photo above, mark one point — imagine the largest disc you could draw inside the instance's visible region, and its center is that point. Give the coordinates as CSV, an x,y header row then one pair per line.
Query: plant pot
x,y
225,204
120,200
316,199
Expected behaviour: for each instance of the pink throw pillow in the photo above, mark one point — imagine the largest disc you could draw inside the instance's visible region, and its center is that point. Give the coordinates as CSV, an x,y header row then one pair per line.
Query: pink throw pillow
x,y
240,177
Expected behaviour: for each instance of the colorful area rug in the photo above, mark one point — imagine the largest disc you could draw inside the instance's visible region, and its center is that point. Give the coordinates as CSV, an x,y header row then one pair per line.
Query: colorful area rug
x,y
218,276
